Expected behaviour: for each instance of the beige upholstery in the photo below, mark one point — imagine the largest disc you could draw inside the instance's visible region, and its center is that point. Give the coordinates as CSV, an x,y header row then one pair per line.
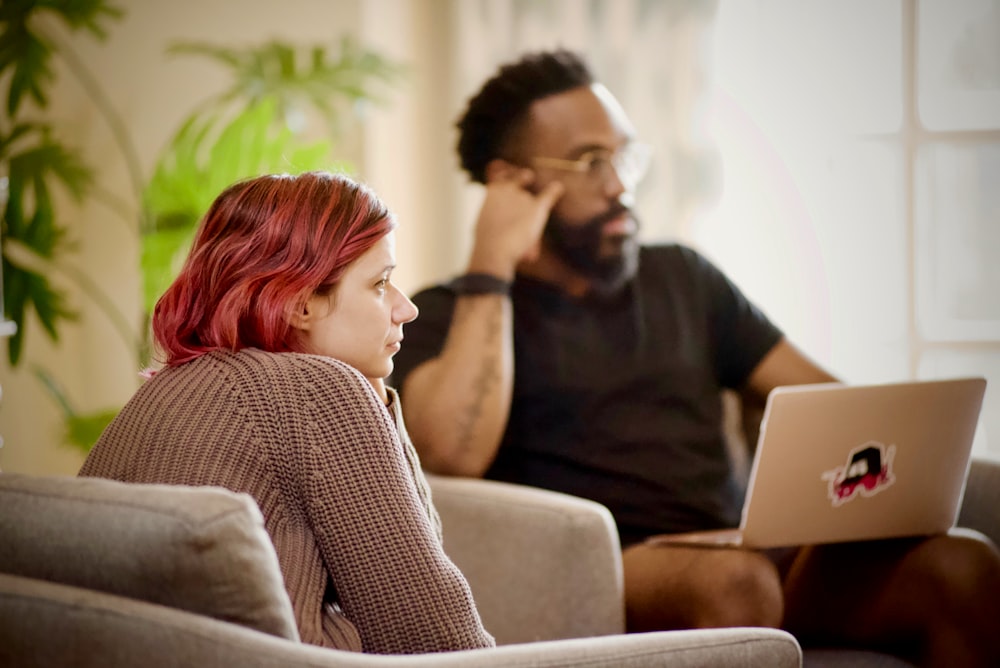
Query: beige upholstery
x,y
577,566
542,565
981,503
98,573
187,548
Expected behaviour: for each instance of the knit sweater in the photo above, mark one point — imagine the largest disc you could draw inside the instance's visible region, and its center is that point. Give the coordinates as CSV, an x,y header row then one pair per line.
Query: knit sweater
x,y
344,503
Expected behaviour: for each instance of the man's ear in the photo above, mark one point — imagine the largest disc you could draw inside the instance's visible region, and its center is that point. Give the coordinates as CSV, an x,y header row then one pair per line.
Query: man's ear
x,y
499,169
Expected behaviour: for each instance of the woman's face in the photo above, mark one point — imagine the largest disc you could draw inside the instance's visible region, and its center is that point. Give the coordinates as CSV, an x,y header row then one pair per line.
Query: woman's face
x,y
361,322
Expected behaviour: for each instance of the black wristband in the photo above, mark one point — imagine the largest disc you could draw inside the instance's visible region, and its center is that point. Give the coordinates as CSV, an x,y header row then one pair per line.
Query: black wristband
x,y
480,284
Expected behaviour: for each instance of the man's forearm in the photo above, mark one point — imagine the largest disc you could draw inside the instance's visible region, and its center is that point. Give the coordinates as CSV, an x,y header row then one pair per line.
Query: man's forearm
x,y
457,404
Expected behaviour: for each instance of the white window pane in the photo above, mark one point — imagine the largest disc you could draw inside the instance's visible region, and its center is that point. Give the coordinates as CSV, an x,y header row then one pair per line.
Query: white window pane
x,y
796,66
958,241
815,234
958,64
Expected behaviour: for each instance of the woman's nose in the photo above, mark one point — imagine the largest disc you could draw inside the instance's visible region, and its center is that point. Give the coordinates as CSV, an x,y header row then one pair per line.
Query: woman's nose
x,y
405,310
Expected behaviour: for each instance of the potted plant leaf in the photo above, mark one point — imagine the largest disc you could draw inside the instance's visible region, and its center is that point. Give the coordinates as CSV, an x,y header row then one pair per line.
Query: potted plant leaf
x,y
260,124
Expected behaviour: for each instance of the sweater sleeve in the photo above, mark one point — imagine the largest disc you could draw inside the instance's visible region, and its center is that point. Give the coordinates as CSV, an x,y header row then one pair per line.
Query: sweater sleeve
x,y
392,577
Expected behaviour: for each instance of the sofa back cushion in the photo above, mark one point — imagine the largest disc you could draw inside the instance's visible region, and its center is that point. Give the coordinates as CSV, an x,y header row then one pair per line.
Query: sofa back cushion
x,y
200,549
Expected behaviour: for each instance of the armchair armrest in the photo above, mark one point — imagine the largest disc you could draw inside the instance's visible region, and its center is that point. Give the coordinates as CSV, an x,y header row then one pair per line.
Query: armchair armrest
x,y
46,624
542,565
981,503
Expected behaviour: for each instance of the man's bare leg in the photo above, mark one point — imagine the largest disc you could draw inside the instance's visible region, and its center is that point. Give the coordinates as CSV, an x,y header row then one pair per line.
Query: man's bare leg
x,y
675,587
933,601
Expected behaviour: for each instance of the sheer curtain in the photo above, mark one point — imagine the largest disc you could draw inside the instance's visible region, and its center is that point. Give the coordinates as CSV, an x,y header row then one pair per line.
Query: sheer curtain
x,y
839,160
650,54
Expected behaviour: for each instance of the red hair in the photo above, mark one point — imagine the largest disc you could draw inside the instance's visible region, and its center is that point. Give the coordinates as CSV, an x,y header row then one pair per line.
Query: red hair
x,y
265,244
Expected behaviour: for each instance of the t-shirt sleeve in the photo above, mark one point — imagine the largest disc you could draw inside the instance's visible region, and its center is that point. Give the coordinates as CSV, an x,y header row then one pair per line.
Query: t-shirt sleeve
x,y
741,333
423,338
392,577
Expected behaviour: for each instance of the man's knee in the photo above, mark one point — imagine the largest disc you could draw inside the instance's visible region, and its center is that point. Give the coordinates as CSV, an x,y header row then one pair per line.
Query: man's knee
x,y
962,568
922,598
700,588
744,591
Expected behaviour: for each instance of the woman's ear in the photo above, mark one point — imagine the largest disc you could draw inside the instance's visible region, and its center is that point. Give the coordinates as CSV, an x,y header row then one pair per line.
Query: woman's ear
x,y
299,314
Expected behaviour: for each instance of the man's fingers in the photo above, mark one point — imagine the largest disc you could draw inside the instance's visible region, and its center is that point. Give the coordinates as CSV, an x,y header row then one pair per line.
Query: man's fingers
x,y
533,251
551,193
524,177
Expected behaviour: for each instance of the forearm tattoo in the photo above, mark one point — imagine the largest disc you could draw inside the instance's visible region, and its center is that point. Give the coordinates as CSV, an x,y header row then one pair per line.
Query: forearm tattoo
x,y
487,377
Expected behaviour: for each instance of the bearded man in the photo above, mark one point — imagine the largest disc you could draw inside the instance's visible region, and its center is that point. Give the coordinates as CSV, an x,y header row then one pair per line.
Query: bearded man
x,y
571,357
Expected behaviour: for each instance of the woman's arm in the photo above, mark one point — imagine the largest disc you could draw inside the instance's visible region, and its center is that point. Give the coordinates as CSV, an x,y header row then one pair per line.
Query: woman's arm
x,y
393,579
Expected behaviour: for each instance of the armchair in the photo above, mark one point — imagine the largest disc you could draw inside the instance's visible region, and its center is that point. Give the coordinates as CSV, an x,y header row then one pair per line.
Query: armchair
x,y
101,573
544,565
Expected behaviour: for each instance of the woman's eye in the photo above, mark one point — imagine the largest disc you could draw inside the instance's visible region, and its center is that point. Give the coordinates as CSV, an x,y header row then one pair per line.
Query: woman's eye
x,y
382,284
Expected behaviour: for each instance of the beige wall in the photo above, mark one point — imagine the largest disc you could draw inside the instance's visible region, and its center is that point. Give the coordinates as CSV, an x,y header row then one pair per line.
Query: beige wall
x,y
153,92
406,152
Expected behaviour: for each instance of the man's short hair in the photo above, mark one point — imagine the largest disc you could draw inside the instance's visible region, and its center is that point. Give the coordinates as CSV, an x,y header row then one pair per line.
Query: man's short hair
x,y
502,103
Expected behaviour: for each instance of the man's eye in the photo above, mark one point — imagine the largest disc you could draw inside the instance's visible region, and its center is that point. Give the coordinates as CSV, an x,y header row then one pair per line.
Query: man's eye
x,y
598,163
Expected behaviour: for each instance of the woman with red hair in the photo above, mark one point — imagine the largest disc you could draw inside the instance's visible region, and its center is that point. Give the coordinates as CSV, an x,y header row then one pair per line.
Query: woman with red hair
x,y
275,340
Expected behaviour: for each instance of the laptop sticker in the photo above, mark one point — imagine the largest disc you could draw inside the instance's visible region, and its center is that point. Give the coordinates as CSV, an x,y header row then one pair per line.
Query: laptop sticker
x,y
868,471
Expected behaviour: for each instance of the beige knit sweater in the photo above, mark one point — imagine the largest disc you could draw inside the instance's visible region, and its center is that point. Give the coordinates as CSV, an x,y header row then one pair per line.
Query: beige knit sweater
x,y
343,499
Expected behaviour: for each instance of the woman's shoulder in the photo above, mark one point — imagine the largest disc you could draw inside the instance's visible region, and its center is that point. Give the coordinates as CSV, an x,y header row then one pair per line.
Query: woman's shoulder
x,y
267,378
298,373
270,362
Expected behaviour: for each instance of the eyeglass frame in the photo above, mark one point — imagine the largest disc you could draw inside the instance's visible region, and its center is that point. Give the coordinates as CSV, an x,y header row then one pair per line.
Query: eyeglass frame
x,y
585,164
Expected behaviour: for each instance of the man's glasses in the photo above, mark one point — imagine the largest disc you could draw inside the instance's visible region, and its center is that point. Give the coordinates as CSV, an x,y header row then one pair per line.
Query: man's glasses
x,y
629,164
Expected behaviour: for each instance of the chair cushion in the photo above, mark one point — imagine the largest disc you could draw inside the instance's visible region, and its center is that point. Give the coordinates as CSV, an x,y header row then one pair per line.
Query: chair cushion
x,y
200,549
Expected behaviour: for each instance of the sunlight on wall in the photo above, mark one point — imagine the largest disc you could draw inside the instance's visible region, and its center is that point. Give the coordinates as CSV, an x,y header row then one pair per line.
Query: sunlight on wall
x,y
808,222
152,91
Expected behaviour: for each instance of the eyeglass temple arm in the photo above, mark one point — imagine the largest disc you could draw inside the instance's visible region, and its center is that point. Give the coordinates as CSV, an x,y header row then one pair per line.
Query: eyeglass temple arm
x,y
560,163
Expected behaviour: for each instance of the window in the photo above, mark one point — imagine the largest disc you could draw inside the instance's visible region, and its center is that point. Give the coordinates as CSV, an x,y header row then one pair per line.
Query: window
x,y
860,145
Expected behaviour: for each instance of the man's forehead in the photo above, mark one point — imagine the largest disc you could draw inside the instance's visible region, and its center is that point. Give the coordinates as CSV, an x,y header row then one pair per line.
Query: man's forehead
x,y
584,116
610,103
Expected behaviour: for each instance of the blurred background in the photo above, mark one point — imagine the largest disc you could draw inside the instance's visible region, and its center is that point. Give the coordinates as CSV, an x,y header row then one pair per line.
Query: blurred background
x,y
839,159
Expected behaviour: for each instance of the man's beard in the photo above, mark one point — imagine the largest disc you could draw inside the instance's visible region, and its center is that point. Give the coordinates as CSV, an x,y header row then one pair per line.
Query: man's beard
x,y
579,246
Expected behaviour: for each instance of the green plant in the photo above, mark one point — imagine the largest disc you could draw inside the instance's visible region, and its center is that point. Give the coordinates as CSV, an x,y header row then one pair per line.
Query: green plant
x,y
257,125
33,160
254,127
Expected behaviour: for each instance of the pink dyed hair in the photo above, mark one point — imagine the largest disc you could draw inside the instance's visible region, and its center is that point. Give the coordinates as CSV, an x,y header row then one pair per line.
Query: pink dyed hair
x,y
265,244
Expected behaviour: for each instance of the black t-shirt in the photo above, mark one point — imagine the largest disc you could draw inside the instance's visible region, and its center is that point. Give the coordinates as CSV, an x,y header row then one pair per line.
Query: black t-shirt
x,y
618,399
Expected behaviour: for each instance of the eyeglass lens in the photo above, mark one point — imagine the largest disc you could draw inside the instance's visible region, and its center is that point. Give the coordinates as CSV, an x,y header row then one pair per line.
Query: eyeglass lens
x,y
630,163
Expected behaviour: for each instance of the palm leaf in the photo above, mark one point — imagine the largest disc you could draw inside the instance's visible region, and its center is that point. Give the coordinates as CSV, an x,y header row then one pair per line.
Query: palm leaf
x,y
26,290
328,82
28,55
205,157
35,162
81,429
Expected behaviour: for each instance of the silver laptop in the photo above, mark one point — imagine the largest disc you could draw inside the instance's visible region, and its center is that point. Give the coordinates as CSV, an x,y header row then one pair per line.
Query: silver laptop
x,y
844,463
